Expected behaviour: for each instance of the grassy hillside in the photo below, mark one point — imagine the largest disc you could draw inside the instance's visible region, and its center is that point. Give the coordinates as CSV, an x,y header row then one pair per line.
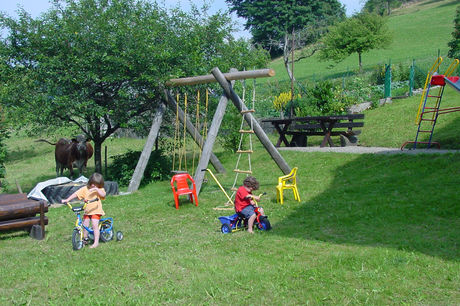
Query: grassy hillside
x,y
419,32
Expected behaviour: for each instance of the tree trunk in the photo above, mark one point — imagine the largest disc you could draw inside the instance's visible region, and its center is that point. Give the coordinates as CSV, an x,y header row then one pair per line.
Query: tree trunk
x,y
97,156
98,140
360,62
286,54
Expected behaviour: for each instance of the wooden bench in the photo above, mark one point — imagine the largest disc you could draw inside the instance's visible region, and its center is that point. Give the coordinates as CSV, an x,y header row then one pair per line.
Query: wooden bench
x,y
302,127
18,212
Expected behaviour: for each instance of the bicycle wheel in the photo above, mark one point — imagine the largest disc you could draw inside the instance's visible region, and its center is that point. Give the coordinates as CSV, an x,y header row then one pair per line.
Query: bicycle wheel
x,y
77,239
106,232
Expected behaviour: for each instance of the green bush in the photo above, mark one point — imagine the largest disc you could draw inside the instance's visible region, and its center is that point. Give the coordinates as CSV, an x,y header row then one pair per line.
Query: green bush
x,y
419,78
323,98
400,72
122,168
377,76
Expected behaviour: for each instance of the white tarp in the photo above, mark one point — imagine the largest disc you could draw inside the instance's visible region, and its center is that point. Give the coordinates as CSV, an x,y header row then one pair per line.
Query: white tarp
x,y
36,192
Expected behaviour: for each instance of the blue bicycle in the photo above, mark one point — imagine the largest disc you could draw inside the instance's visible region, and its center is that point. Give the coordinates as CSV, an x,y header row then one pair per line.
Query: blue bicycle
x,y
105,228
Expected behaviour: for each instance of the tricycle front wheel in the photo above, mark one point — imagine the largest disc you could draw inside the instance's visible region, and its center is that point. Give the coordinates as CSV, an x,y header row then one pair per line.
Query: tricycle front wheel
x,y
225,228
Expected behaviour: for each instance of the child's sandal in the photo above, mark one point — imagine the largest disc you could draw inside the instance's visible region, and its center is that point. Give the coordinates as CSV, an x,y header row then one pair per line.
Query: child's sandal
x,y
85,241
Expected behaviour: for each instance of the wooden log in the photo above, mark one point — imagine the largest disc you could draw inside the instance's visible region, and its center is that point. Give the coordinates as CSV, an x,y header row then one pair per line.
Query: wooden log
x,y
193,131
12,198
20,210
42,221
21,223
231,76
276,156
135,181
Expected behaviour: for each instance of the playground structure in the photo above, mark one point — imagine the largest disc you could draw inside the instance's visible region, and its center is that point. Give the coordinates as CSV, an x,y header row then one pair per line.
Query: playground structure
x,y
206,145
430,104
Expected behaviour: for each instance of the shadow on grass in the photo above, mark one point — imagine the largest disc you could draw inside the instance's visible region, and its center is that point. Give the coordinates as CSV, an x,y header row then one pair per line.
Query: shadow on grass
x,y
399,201
10,234
448,136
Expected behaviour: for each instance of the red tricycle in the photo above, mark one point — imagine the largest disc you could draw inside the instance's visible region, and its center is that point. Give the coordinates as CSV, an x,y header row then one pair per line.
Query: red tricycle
x,y
237,222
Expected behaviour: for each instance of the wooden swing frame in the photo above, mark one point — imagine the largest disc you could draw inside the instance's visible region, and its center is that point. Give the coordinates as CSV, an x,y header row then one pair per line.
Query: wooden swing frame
x,y
207,155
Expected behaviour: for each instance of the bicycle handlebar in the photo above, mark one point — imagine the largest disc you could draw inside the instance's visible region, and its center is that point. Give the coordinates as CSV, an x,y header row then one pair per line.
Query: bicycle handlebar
x,y
84,202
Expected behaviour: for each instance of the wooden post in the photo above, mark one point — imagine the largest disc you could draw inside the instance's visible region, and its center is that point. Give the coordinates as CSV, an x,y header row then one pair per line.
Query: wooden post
x,y
145,155
193,131
209,143
276,156
42,219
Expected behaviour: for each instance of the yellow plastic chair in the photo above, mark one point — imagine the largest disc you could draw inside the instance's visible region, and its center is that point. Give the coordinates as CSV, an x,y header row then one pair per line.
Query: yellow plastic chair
x,y
288,181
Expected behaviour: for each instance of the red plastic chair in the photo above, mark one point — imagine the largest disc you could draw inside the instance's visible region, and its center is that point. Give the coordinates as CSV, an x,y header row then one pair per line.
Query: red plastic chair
x,y
180,185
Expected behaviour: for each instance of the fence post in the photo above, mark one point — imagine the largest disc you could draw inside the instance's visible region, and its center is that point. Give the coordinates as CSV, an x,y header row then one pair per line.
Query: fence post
x,y
387,92
411,78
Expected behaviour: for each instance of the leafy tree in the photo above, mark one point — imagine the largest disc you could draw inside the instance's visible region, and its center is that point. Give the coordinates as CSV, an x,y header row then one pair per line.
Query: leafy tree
x,y
382,7
101,64
454,44
274,23
358,34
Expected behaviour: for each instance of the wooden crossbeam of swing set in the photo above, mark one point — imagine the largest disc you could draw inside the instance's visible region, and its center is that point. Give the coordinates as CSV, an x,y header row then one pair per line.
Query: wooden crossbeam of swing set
x,y
230,76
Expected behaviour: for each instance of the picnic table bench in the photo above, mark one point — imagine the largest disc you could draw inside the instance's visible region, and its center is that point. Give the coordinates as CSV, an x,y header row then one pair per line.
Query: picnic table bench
x,y
302,127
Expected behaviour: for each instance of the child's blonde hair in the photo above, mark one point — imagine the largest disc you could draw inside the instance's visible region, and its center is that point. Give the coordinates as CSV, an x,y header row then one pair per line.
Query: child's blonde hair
x,y
97,179
251,181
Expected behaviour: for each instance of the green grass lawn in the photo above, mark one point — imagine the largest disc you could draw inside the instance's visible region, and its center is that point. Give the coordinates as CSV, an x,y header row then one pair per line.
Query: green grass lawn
x,y
370,229
419,31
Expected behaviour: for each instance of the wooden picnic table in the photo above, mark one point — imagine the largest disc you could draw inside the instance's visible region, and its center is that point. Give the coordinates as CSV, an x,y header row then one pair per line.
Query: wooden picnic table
x,y
327,126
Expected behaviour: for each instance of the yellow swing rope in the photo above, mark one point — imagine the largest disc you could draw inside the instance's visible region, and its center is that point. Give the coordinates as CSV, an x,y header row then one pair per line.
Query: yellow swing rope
x,y
184,146
205,123
197,126
176,133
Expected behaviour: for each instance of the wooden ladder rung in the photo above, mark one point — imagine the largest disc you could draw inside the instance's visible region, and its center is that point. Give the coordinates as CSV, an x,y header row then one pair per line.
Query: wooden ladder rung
x,y
242,171
247,111
245,151
247,131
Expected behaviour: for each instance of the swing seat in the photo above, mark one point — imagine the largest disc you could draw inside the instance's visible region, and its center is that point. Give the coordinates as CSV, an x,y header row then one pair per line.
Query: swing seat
x,y
180,184
288,181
